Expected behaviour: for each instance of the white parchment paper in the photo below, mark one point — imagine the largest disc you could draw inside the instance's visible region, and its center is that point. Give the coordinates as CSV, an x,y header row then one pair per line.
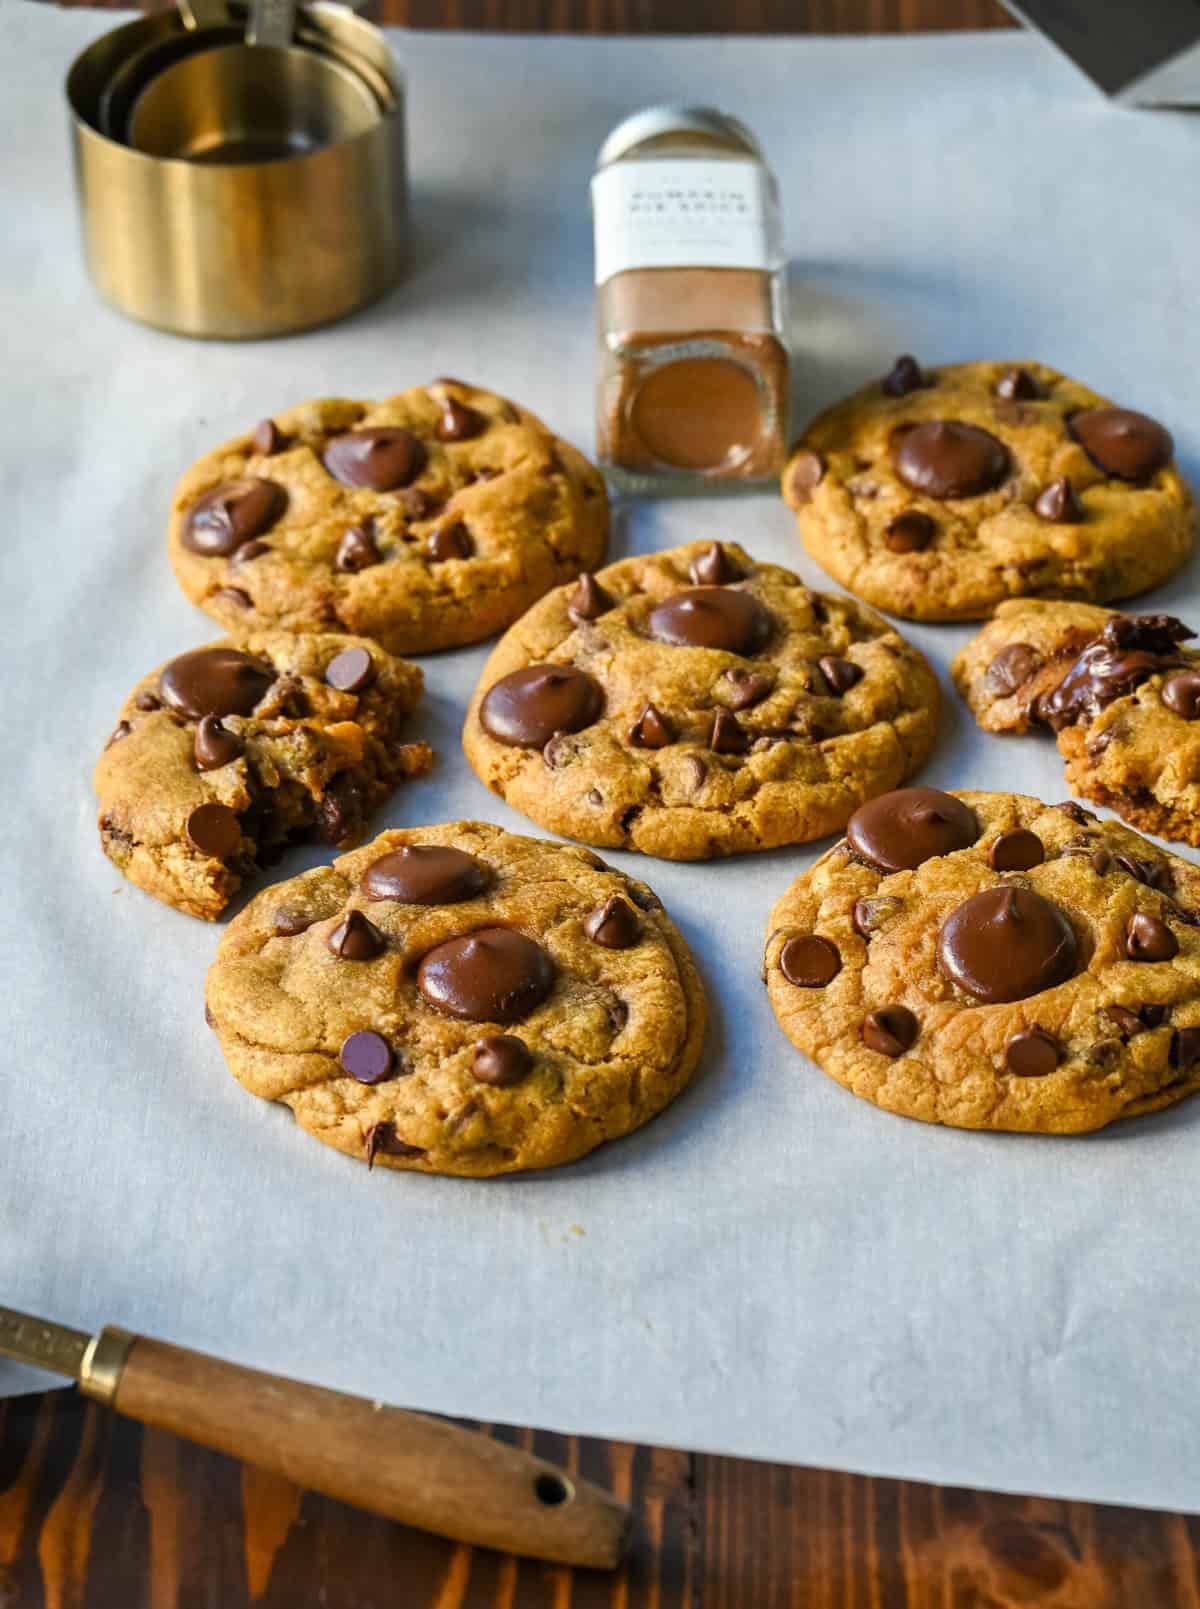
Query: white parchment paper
x,y
772,1268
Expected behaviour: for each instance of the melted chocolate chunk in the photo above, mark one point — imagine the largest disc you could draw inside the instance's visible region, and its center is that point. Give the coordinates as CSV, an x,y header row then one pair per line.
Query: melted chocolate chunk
x,y
910,532
613,924
1032,1053
1007,944
712,617
946,459
713,567
899,831
1017,850
1011,669
249,551
1181,694
214,830
527,707
378,459
1127,1023
231,514
350,671
1154,873
356,939
381,1139
890,1031
368,1057
651,730
426,874
869,915
214,681
1129,649
501,1060
340,810
809,961
492,975
588,599
214,746
1130,445
905,377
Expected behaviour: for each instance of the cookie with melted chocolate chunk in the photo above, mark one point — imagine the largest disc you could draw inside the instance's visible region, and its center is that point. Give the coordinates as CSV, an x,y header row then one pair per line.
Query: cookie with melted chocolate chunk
x,y
427,521
695,703
1121,693
507,1003
930,969
225,753
936,494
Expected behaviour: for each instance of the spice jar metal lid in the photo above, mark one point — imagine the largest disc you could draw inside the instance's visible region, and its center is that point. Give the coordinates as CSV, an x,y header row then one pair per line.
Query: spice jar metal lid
x,y
656,121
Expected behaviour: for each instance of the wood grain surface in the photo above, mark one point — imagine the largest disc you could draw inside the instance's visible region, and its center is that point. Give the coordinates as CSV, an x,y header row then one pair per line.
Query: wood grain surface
x,y
96,1513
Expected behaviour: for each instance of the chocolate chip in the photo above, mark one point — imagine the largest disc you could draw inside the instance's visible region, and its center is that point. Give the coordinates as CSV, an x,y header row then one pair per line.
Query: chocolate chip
x,y
287,921
727,735
379,459
712,617
1127,1022
1032,1053
1130,445
1059,504
890,1031
809,961
234,596
230,514
214,830
340,810
350,671
122,729
841,674
910,532
501,1060
214,681
492,975
1077,813
1007,944
417,505
1148,939
900,831
367,1056
1017,851
214,746
209,1020
946,459
869,915
146,701
356,939
268,438
1153,873
451,541
527,707
694,772
381,1139
249,551
357,550
458,422
613,924
426,874
1181,694
1100,860
906,376
1017,385
713,567
743,688
804,473
651,730
1128,650
1185,1048
1011,669
588,599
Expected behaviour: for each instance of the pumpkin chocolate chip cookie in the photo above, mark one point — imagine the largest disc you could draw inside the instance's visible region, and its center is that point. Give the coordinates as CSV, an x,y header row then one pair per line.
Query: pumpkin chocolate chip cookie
x,y
1121,693
427,521
456,999
990,962
225,753
695,703
937,494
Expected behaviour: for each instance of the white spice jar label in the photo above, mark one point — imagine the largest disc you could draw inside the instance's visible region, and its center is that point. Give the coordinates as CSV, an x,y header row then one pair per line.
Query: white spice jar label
x,y
681,214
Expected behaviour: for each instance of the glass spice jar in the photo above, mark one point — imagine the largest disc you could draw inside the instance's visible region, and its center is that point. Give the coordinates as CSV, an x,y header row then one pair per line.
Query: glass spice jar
x,y
692,383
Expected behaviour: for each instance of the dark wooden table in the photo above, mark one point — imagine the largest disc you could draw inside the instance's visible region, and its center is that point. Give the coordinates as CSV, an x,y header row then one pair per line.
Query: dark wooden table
x,y
96,1513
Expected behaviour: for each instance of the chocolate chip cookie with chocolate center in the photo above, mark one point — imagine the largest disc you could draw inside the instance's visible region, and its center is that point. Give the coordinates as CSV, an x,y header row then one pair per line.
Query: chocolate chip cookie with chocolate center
x,y
427,521
223,754
695,703
1121,693
456,999
936,494
990,962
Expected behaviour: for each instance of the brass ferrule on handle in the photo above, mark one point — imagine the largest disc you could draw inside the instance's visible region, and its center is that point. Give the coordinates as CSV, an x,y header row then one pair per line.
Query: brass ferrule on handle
x,y
102,1363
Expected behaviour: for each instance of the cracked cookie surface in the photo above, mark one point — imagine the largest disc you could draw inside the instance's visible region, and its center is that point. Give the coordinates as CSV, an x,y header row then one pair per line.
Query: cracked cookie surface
x,y
226,752
458,999
937,494
987,961
694,703
1120,692
427,521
